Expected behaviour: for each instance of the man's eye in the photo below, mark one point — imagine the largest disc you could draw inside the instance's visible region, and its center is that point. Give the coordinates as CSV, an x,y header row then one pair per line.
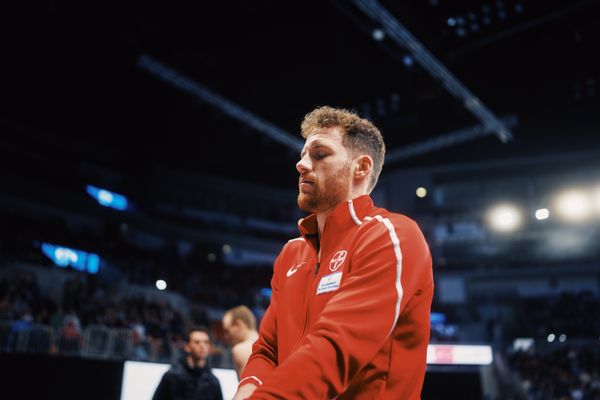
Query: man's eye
x,y
319,155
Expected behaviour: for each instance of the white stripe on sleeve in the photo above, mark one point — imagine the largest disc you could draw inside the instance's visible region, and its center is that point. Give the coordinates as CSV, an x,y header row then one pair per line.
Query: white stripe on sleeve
x,y
398,253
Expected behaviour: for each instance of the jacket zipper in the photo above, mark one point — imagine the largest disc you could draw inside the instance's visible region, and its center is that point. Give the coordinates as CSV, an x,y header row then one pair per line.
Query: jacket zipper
x,y
309,299
310,288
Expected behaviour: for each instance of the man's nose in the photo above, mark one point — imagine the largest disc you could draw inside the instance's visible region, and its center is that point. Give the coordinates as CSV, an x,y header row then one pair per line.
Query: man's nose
x,y
303,165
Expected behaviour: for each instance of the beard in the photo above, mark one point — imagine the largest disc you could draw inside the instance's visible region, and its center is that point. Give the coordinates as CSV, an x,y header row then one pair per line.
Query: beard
x,y
328,194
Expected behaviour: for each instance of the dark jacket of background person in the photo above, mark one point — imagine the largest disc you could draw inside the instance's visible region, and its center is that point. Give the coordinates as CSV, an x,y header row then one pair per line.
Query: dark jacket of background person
x,y
182,382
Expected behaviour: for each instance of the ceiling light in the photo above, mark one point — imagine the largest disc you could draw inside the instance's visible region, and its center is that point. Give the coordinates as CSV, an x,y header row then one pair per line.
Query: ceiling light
x,y
161,284
542,213
573,205
504,218
378,34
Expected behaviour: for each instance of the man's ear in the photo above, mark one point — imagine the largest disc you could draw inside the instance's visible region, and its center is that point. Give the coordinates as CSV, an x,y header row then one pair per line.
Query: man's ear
x,y
364,165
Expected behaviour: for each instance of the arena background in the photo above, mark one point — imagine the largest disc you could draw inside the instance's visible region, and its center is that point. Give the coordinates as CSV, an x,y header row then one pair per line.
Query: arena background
x,y
148,178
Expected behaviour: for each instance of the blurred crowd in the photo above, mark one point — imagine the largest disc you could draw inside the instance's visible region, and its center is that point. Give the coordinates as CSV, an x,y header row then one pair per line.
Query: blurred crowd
x,y
574,314
566,373
157,328
199,274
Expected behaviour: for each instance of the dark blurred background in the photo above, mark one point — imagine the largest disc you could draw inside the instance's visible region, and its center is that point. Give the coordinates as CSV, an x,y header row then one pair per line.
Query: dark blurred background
x,y
148,175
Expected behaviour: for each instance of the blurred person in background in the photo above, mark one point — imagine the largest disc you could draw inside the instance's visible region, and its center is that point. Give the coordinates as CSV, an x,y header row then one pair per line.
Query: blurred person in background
x,y
351,297
191,377
70,334
239,324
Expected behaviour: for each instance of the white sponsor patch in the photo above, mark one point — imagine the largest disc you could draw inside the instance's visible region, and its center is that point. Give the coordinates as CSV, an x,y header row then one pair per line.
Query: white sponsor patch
x,y
329,283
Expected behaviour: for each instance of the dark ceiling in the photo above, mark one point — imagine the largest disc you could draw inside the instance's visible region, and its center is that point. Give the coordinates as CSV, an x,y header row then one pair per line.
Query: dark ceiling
x,y
72,87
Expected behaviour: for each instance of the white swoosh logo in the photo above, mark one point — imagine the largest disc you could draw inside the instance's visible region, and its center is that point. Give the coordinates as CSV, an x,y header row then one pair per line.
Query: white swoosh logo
x,y
294,268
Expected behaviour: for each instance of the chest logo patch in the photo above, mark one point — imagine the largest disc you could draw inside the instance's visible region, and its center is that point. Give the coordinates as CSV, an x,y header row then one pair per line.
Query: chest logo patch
x,y
330,283
337,260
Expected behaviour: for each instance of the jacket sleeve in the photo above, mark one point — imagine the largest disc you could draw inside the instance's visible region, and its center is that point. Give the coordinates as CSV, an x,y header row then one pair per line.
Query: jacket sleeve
x,y
163,391
359,317
263,359
218,394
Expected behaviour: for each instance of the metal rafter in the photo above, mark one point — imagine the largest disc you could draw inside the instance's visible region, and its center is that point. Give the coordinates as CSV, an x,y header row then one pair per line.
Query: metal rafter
x,y
446,140
399,34
235,111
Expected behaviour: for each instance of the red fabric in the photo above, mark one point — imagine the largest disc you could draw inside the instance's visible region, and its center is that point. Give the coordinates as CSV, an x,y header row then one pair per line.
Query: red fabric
x,y
366,339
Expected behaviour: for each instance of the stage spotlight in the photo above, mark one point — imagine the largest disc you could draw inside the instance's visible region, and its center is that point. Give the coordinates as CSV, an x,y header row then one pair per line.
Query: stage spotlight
x,y
161,284
421,192
542,213
504,218
551,337
574,205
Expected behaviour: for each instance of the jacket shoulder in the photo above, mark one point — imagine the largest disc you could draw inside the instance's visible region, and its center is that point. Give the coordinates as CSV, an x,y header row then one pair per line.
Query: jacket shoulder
x,y
383,220
294,244
173,373
296,241
213,378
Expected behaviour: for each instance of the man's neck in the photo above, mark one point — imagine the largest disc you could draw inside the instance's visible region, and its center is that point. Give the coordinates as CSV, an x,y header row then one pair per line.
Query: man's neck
x,y
249,335
199,363
321,218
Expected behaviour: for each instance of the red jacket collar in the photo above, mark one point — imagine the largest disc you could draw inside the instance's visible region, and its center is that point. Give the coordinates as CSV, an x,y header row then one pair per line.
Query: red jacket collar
x,y
344,216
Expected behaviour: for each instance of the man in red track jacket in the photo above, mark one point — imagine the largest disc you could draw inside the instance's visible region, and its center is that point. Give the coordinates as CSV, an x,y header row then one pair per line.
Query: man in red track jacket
x,y
349,315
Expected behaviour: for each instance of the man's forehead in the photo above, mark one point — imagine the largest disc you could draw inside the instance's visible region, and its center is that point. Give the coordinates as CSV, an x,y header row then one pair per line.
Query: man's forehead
x,y
199,335
323,136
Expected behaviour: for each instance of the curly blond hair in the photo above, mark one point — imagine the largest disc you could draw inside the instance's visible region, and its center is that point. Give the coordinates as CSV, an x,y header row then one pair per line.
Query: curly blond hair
x,y
360,135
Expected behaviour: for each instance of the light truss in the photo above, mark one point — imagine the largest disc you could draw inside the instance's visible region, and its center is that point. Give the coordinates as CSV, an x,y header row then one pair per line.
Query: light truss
x,y
235,111
446,140
402,36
